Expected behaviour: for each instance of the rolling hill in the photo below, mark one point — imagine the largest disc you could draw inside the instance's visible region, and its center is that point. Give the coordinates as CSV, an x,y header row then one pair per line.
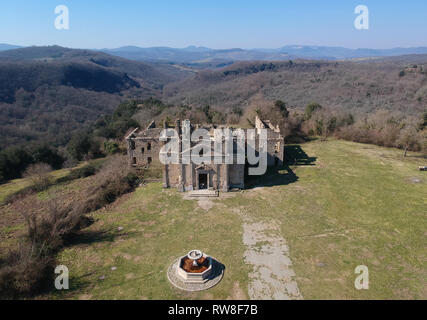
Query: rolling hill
x,y
153,74
396,83
48,92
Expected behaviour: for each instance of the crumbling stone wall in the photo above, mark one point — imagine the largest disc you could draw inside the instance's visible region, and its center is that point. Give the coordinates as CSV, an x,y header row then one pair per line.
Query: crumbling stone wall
x,y
144,148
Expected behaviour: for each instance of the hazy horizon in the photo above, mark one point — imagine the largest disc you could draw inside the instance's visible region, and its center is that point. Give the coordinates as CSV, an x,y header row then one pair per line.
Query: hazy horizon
x,y
207,47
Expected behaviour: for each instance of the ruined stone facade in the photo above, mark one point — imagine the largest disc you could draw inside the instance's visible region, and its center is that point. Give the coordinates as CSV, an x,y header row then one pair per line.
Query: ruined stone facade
x,y
144,148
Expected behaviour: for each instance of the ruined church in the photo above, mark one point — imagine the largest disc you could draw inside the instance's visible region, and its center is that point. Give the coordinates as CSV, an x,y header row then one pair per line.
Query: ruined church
x,y
144,147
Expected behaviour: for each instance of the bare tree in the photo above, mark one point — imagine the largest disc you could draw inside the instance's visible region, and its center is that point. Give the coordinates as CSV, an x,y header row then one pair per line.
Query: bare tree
x,y
408,139
39,175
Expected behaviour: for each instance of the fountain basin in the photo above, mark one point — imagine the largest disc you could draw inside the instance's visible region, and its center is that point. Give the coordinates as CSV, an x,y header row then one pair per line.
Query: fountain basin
x,y
190,273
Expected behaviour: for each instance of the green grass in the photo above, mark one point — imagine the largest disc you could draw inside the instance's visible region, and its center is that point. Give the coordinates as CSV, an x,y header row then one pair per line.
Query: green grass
x,y
355,205
15,186
159,226
341,205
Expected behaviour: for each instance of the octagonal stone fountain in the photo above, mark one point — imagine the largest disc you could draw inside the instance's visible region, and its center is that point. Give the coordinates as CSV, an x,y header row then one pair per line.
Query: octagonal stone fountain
x,y
195,272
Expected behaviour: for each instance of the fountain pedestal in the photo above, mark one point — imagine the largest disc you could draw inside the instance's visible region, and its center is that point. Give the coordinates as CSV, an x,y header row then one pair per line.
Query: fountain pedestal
x,y
196,267
196,271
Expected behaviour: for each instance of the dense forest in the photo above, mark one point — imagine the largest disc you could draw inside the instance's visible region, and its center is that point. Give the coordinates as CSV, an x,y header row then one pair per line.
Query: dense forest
x,y
357,86
46,93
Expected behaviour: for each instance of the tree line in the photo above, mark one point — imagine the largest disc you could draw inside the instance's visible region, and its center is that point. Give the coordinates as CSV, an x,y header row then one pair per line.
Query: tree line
x,y
382,128
101,138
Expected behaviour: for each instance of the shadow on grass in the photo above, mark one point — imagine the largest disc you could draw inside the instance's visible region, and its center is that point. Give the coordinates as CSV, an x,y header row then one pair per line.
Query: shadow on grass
x,y
217,269
295,156
282,176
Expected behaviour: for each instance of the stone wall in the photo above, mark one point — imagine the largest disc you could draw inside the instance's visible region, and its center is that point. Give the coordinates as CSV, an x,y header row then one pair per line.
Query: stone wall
x,y
144,148
237,176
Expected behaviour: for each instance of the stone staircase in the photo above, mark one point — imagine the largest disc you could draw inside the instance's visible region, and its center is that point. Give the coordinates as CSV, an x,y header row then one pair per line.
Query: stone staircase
x,y
203,193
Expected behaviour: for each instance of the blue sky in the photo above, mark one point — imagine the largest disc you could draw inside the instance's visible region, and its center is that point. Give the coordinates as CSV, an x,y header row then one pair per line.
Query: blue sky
x,y
215,24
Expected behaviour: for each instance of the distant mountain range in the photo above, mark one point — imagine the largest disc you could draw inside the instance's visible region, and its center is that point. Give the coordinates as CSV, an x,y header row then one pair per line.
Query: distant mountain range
x,y
220,57
197,55
4,47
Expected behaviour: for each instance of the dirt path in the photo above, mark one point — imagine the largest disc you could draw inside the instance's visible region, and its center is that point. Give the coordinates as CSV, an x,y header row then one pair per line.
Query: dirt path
x,y
272,277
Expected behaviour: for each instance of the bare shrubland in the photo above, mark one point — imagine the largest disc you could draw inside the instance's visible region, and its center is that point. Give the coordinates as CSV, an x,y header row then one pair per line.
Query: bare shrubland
x,y
383,127
28,269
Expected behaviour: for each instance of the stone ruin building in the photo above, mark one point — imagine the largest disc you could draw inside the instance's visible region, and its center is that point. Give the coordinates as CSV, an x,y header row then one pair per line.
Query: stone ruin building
x,y
144,148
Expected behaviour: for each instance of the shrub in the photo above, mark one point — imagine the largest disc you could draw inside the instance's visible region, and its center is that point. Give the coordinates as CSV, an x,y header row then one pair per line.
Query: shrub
x,y
82,146
12,162
311,108
121,126
282,106
111,147
408,139
237,110
83,172
114,179
423,124
39,175
24,273
44,154
115,126
29,268
126,110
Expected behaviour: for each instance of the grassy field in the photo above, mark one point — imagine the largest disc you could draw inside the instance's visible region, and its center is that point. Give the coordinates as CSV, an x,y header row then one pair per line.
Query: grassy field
x,y
15,186
351,204
158,226
338,204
